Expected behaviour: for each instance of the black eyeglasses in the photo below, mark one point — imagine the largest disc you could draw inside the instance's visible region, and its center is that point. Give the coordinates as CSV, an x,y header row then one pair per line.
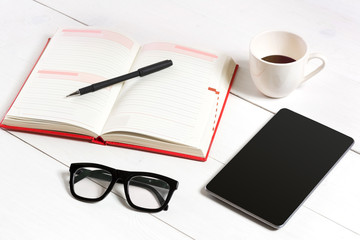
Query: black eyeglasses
x,y
144,191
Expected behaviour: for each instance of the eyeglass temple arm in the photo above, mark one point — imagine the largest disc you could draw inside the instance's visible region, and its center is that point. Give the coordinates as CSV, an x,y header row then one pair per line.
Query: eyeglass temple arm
x,y
99,174
103,175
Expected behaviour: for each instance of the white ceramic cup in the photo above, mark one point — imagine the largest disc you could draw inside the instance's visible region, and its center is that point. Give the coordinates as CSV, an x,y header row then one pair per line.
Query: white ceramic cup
x,y
278,80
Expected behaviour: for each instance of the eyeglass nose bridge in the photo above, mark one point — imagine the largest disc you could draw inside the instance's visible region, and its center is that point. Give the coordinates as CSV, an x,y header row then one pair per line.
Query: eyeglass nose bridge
x,y
121,176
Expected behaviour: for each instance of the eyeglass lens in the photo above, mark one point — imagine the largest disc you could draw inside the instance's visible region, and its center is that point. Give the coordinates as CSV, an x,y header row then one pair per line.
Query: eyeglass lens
x,y
144,191
148,192
91,182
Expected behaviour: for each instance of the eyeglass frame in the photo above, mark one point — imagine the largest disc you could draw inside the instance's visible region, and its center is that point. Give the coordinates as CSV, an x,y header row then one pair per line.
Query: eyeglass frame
x,y
122,176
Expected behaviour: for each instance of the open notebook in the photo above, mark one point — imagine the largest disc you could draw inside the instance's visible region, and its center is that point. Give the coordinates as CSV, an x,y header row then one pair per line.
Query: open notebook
x,y
175,111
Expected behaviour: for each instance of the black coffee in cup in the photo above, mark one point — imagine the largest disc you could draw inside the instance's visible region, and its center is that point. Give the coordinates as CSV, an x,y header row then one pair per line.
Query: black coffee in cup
x,y
278,59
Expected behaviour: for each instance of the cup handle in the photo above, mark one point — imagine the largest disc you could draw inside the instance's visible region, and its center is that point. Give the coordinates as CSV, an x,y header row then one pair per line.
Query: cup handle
x,y
319,68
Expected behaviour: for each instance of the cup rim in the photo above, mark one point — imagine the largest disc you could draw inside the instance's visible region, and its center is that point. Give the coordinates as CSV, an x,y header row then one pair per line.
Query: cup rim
x,y
278,31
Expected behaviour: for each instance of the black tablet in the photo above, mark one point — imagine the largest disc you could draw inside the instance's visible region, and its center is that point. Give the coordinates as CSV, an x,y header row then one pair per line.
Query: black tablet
x,y
272,175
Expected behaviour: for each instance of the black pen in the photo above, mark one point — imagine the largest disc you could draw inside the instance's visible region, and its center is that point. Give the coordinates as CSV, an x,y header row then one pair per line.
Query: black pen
x,y
139,73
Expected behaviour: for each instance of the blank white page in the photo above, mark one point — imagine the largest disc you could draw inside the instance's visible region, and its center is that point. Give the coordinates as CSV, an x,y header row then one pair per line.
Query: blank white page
x,y
175,104
75,58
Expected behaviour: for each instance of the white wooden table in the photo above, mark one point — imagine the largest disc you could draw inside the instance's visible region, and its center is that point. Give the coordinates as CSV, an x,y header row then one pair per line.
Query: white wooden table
x,y
35,202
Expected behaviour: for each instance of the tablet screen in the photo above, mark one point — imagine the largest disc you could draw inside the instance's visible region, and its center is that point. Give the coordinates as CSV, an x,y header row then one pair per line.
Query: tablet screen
x,y
272,175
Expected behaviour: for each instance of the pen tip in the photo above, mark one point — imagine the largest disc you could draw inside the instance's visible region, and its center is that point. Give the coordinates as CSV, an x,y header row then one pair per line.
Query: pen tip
x,y
74,93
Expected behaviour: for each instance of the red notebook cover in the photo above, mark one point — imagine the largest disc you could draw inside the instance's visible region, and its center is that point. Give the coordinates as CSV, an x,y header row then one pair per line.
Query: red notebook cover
x,y
99,140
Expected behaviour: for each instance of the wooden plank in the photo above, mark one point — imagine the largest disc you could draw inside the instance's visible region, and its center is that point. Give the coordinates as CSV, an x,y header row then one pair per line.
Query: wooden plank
x,y
36,203
338,196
